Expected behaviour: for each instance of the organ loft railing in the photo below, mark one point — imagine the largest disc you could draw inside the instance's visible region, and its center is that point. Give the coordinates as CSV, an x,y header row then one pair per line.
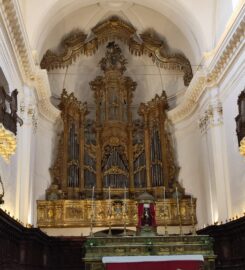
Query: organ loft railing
x,y
113,151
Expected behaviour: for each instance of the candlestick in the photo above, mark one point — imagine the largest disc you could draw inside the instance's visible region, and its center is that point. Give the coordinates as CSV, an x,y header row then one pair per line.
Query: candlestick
x,y
178,211
164,209
177,199
192,217
93,206
109,234
92,213
110,201
124,212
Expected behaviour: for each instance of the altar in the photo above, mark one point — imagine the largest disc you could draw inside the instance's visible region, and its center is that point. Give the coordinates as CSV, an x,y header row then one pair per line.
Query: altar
x,y
191,252
173,262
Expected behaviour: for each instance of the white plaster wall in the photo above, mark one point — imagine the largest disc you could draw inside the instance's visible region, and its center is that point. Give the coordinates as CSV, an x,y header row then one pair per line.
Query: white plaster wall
x,y
207,173
47,140
188,146
232,87
8,170
222,14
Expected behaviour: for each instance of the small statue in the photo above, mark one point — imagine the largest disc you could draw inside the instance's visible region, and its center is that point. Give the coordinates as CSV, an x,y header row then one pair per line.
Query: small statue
x,y
146,219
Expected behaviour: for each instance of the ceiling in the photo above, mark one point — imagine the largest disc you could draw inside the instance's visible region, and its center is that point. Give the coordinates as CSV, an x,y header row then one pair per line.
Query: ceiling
x,y
189,26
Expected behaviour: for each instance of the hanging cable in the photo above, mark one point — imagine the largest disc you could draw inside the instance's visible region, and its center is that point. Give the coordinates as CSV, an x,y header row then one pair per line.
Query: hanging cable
x,y
65,77
160,77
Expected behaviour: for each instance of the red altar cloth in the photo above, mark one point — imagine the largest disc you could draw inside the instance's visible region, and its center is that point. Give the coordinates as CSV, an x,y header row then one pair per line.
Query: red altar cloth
x,y
178,262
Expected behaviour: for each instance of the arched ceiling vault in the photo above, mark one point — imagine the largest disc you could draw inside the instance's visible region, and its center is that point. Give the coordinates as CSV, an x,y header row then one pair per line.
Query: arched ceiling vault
x,y
30,24
53,13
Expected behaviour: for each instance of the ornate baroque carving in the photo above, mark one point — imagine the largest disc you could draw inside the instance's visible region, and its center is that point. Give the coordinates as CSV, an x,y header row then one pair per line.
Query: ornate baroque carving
x,y
221,62
67,213
115,28
112,156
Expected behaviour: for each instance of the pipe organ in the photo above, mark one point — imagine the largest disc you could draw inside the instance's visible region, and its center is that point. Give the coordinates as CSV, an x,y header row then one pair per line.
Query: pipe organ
x,y
115,151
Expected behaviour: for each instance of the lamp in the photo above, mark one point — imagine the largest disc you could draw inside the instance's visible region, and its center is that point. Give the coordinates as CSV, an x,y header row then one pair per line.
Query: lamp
x,y
8,122
242,147
7,143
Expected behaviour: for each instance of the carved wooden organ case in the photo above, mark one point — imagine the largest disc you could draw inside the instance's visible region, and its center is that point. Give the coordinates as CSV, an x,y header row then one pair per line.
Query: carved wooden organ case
x,y
114,152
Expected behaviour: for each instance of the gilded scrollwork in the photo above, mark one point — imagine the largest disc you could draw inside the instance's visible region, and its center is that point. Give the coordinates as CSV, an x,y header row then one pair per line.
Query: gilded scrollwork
x,y
72,47
63,213
74,212
114,28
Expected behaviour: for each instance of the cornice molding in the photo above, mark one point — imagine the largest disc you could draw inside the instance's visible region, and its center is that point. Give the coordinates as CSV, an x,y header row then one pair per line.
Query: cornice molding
x,y
17,37
228,48
191,97
31,75
45,107
223,56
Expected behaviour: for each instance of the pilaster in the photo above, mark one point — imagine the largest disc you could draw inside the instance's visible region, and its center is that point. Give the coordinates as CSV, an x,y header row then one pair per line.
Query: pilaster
x,y
218,190
208,163
25,156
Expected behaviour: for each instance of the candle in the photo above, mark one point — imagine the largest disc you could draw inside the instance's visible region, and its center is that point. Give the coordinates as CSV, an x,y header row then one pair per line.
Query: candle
x,y
93,193
192,208
125,196
164,194
93,202
177,199
110,200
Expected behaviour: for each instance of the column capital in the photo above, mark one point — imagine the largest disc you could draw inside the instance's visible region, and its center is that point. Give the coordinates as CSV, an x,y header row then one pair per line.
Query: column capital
x,y
212,116
28,108
216,113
